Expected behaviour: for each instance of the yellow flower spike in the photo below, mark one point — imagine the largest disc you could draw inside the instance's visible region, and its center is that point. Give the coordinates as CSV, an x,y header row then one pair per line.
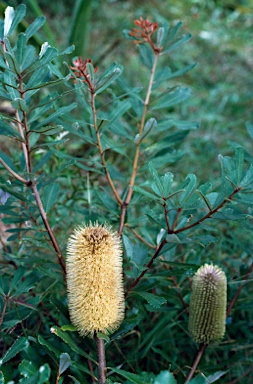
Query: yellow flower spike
x,y
208,304
95,280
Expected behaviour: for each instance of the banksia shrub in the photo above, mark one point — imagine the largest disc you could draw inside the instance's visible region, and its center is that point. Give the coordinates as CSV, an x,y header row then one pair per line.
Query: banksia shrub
x,y
208,304
95,280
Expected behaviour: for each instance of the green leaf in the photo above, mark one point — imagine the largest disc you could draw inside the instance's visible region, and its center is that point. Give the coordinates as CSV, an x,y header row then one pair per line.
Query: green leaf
x,y
79,29
18,275
2,381
49,345
190,187
177,43
155,176
198,380
65,362
7,130
68,340
19,104
215,376
146,55
137,379
110,75
35,26
50,195
239,153
21,48
145,193
165,377
149,125
249,127
167,181
117,112
61,111
172,98
248,178
45,372
75,381
17,347
27,368
155,301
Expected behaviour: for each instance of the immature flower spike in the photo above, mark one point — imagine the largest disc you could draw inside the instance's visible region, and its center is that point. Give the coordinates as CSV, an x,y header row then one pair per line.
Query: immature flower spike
x,y
95,280
208,304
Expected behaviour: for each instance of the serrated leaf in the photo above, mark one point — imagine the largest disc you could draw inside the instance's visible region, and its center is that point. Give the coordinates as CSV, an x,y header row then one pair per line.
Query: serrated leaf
x,y
165,377
65,362
17,347
155,301
49,345
50,195
27,368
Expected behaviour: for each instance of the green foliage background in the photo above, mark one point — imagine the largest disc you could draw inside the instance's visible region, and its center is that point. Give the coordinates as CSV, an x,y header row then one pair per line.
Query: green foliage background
x,y
153,340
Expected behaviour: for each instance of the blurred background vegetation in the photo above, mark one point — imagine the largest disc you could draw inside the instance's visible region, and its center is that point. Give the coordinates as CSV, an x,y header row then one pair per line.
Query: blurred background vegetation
x,y
221,45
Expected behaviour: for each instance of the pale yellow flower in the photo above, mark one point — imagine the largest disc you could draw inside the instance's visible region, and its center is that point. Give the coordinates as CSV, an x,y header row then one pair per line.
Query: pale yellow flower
x,y
95,280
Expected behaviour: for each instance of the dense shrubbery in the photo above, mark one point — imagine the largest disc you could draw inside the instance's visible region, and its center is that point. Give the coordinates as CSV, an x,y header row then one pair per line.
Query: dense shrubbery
x,y
82,144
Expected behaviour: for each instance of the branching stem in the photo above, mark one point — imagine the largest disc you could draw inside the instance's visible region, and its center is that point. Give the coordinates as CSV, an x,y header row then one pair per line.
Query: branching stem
x,y
101,152
138,145
198,357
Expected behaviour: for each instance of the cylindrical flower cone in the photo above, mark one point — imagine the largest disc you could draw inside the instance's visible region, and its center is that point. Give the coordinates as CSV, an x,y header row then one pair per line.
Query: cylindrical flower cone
x,y
208,304
95,280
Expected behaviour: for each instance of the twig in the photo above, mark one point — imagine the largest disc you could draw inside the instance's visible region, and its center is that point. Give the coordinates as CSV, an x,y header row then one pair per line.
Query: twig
x,y
48,228
233,301
101,360
198,357
140,237
6,299
210,213
137,150
13,173
102,156
136,281
179,293
92,371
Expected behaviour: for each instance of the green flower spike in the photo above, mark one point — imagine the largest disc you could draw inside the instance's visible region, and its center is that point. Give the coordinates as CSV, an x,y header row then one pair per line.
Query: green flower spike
x,y
208,304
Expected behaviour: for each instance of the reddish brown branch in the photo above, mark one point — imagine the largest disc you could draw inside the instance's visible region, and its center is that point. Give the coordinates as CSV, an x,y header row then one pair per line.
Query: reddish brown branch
x,y
198,357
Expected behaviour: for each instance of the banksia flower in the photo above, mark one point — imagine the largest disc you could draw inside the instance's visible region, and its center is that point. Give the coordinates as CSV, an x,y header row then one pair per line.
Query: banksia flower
x,y
208,304
95,280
